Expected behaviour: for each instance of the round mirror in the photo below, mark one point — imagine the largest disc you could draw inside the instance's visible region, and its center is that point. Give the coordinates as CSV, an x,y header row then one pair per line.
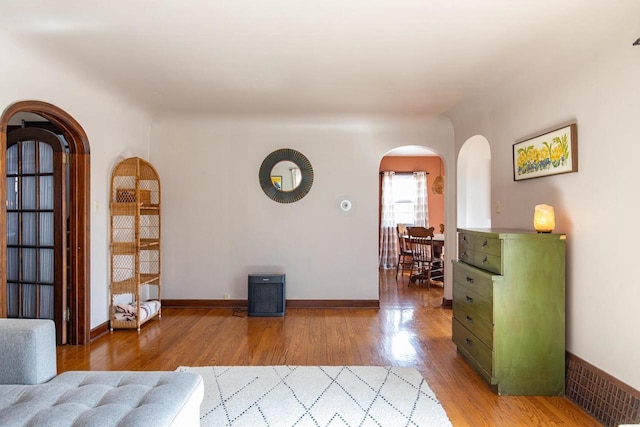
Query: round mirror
x,y
286,175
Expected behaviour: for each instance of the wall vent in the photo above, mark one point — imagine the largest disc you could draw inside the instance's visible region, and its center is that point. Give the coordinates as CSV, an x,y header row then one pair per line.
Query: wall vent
x,y
604,397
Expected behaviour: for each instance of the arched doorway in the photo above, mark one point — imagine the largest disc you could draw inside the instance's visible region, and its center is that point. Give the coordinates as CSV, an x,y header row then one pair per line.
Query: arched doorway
x,y
78,209
474,183
405,161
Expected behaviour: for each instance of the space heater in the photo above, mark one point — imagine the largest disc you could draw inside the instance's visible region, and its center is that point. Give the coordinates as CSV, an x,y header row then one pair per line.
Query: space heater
x,y
266,296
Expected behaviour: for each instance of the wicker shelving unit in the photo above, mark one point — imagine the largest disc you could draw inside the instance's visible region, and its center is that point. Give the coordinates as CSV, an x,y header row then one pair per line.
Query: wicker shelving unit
x,y
135,244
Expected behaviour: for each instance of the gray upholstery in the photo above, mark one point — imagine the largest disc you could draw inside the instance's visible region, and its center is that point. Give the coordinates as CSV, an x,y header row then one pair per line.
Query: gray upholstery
x,y
27,351
32,395
84,398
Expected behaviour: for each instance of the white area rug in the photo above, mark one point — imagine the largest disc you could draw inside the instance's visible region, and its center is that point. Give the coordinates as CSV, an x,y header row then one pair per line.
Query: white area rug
x,y
317,396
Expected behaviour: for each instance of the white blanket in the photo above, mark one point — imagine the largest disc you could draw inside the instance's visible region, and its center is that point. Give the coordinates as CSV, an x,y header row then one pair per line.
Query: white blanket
x,y
130,311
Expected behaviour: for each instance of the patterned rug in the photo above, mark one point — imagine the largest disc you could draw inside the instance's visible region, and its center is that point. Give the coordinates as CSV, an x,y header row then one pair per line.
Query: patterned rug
x,y
317,396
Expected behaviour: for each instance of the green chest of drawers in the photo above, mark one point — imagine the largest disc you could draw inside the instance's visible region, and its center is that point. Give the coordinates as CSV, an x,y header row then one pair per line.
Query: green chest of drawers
x,y
509,309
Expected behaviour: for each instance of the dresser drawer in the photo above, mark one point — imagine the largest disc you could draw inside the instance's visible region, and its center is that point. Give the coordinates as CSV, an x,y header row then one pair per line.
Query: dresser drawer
x,y
487,261
479,281
481,251
478,354
473,302
479,242
482,260
487,245
475,313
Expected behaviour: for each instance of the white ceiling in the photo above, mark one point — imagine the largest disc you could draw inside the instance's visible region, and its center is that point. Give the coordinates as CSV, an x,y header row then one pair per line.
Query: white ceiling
x,y
312,56
411,151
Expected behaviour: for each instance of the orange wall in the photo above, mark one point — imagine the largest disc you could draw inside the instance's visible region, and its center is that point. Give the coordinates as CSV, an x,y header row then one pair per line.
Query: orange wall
x,y
431,164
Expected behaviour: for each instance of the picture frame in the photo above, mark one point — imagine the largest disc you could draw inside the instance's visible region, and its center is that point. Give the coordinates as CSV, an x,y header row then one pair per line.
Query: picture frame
x,y
276,181
550,153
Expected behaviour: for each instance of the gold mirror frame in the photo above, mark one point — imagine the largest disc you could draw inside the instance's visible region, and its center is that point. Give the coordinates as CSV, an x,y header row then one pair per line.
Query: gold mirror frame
x,y
306,172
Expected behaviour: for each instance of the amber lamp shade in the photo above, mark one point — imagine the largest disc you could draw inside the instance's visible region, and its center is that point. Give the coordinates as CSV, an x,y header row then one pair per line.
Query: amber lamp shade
x,y
544,220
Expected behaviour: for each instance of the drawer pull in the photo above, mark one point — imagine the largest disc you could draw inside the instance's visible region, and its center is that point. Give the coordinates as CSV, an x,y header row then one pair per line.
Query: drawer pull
x,y
469,319
484,261
469,299
485,243
464,238
468,341
469,279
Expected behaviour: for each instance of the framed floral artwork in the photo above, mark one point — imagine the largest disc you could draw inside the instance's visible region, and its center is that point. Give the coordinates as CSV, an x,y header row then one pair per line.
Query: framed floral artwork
x,y
550,153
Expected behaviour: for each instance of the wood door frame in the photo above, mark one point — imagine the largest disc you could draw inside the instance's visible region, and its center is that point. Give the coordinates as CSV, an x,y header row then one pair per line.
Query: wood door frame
x,y
78,209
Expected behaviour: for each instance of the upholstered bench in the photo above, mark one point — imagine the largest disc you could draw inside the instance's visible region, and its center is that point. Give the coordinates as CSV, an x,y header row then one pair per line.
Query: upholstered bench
x,y
32,395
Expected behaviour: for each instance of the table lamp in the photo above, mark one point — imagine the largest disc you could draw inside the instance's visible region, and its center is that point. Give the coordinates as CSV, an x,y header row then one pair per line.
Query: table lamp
x,y
544,219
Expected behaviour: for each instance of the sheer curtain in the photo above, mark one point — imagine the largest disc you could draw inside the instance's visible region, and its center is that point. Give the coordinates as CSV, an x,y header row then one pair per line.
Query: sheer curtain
x,y
422,202
388,256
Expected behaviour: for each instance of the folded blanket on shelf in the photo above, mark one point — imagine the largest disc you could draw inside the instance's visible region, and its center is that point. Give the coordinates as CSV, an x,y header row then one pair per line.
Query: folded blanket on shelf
x,y
129,312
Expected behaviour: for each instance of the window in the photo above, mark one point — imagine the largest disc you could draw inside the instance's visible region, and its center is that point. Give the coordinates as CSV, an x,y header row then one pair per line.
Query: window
x,y
404,198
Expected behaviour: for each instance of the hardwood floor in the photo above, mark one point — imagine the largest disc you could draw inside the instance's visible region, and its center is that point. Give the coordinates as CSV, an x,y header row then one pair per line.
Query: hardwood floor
x,y
409,329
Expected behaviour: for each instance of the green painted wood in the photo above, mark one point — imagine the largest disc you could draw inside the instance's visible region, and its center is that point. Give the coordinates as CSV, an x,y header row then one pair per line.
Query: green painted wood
x,y
486,261
479,280
475,351
528,310
488,245
478,326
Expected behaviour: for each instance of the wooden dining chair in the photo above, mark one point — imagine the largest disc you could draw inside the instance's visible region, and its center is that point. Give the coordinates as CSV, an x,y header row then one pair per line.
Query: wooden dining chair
x,y
425,264
405,257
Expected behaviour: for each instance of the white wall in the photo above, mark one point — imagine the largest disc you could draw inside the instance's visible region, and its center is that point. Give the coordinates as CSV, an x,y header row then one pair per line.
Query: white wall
x,y
114,128
218,225
596,207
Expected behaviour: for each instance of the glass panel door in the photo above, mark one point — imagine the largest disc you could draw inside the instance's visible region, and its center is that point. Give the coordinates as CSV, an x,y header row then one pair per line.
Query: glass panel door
x,y
36,229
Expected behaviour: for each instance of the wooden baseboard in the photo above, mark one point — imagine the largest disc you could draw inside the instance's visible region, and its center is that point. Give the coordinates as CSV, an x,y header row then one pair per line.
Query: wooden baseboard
x,y
296,303
204,303
603,396
447,303
332,303
99,331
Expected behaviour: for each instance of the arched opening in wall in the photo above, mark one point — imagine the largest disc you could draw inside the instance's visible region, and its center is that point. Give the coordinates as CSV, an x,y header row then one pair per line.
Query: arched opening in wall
x,y
413,202
474,183
49,199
